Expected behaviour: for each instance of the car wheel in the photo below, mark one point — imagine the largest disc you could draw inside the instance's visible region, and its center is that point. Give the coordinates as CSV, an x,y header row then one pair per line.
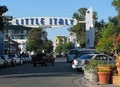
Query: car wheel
x,y
53,62
14,64
45,63
79,69
6,64
21,62
34,64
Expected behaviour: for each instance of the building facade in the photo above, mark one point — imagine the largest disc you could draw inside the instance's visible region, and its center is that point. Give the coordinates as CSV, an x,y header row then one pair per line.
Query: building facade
x,y
73,38
20,35
59,40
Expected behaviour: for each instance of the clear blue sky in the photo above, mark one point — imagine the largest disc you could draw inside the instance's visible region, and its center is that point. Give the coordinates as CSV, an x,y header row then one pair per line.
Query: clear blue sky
x,y
57,8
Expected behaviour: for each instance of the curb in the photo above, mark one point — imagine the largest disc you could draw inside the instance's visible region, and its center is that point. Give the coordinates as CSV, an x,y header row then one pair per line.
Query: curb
x,y
88,83
85,82
77,82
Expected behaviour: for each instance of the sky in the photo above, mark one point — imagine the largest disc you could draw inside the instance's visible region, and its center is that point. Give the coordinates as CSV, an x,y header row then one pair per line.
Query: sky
x,y
57,8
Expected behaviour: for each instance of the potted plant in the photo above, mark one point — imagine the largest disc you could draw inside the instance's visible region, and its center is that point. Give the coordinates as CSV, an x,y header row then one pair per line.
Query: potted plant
x,y
107,67
104,72
115,77
90,71
115,74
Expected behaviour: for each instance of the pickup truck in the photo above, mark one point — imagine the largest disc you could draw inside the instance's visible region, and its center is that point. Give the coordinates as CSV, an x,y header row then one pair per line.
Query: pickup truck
x,y
42,59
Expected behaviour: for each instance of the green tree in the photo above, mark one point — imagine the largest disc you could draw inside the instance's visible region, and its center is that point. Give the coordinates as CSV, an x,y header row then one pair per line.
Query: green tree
x,y
108,36
30,45
79,29
63,48
47,46
116,3
58,49
67,46
107,40
35,41
98,28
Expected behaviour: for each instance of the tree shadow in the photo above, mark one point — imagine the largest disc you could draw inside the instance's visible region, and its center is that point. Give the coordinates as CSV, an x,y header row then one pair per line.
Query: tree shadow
x,y
60,69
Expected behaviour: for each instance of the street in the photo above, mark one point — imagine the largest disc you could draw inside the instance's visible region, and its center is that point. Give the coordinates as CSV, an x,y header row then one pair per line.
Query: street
x,y
59,75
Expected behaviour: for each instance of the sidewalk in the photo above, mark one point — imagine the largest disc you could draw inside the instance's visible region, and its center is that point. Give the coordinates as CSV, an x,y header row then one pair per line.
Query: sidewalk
x,y
87,83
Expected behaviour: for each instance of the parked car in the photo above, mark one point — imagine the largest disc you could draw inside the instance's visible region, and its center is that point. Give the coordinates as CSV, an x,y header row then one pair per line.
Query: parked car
x,y
2,62
42,59
85,52
26,58
73,52
15,59
7,59
79,62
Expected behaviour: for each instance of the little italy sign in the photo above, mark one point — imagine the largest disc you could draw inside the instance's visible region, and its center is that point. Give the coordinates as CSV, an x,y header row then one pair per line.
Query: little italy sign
x,y
60,22
44,21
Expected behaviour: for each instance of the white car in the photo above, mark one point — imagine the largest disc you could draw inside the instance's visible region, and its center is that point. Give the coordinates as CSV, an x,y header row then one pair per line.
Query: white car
x,y
73,52
79,62
26,58
15,59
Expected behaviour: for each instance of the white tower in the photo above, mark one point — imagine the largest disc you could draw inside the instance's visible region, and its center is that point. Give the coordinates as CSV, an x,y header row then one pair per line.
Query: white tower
x,y
89,28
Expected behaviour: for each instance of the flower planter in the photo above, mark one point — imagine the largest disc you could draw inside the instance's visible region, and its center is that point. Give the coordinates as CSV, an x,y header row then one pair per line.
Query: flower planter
x,y
118,69
86,74
104,77
116,80
93,77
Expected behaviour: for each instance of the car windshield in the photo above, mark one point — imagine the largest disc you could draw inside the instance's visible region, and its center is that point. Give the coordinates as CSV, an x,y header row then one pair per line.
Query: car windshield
x,y
85,56
25,56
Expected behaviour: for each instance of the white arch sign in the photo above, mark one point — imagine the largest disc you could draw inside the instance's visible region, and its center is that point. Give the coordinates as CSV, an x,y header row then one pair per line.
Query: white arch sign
x,y
59,22
44,21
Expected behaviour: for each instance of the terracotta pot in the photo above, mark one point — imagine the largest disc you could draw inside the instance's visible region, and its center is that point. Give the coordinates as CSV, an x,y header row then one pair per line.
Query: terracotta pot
x,y
104,77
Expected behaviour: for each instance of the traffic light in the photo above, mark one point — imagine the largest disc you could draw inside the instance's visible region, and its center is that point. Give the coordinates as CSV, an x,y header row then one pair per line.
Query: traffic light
x,y
3,9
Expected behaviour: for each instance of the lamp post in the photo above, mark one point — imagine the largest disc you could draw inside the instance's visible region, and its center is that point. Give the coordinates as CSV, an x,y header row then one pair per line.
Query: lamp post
x,y
9,44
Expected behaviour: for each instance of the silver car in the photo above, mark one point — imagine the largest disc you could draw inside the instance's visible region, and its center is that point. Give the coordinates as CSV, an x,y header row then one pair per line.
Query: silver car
x,y
2,62
15,59
7,59
79,62
26,58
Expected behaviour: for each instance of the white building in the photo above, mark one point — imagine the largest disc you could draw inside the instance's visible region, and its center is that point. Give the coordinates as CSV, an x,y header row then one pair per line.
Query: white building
x,y
20,35
73,38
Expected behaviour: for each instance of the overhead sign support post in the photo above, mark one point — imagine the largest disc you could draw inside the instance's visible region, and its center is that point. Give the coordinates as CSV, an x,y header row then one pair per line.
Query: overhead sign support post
x,y
90,33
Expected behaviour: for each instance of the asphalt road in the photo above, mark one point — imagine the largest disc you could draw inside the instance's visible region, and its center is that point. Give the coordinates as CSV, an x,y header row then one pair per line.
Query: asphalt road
x,y
59,75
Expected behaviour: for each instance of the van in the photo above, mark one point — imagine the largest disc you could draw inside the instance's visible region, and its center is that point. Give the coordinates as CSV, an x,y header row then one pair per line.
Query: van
x,y
71,53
